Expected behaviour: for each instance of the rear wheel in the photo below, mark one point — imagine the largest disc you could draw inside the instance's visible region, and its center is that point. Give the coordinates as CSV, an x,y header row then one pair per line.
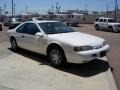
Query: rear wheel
x,y
97,27
57,57
14,44
0,27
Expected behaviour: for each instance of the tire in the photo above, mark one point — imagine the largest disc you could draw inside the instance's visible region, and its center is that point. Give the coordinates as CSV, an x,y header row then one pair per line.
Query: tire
x,y
0,27
14,46
57,57
97,27
110,29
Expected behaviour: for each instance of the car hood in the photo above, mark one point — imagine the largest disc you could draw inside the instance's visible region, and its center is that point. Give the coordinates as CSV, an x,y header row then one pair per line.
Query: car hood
x,y
76,39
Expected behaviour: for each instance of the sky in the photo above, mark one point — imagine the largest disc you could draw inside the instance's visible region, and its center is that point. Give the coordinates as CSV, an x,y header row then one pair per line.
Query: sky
x,y
44,5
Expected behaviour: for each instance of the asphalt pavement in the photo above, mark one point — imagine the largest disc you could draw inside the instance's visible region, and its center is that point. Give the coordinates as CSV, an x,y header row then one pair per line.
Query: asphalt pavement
x,y
113,39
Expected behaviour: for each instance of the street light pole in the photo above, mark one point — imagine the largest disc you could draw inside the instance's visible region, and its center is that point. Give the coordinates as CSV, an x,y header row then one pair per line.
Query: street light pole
x,y
12,8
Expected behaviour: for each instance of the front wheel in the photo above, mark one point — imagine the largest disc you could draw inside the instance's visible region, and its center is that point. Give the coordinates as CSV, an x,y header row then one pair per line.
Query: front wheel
x,y
14,44
110,29
116,31
57,57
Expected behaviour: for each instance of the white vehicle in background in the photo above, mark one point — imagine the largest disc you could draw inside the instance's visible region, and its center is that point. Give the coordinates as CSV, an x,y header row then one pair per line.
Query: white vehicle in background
x,y
57,41
74,19
107,24
70,19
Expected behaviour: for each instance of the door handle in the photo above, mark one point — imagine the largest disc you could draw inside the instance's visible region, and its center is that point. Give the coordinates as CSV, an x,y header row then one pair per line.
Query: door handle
x,y
22,36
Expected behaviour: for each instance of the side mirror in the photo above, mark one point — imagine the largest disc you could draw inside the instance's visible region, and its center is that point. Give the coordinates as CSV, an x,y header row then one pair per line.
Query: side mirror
x,y
39,34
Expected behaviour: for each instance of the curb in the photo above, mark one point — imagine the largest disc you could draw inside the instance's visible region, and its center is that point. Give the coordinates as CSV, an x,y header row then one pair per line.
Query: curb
x,y
110,78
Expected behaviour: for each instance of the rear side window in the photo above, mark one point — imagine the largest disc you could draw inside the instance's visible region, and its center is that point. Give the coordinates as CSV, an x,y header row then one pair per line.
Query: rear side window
x,y
20,29
105,20
101,20
28,28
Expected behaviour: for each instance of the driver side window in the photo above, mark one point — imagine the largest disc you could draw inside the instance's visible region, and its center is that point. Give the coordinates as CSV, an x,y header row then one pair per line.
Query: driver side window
x,y
28,28
32,29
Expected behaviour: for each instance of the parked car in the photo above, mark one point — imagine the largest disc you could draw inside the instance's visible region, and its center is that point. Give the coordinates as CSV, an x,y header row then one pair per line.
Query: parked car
x,y
14,23
57,41
107,24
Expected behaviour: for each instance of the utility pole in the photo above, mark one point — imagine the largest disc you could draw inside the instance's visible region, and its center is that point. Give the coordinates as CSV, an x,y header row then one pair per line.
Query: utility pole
x,y
4,8
26,9
12,8
52,8
116,7
86,7
57,7
0,10
107,8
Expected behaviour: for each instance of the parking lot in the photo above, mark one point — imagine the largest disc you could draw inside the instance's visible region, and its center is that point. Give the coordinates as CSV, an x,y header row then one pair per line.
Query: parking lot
x,y
27,71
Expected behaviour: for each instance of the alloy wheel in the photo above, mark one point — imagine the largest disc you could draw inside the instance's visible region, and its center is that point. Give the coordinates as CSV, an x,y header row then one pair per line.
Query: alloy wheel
x,y
13,44
56,57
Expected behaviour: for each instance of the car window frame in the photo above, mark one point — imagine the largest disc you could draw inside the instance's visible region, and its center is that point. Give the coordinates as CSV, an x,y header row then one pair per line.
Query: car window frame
x,y
37,28
105,20
19,28
101,20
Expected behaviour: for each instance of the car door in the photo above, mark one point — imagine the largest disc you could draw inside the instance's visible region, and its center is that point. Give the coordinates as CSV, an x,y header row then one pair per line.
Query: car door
x,y
31,41
20,35
105,24
101,23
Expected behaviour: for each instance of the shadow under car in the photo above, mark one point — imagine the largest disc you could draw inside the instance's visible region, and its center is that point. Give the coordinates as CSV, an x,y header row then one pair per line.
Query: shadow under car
x,y
84,70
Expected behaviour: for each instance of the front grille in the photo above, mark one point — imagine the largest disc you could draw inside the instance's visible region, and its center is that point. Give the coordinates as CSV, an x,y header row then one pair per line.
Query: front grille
x,y
98,47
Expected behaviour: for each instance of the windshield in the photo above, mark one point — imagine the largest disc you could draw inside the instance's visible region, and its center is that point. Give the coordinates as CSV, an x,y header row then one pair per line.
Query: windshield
x,y
111,20
55,28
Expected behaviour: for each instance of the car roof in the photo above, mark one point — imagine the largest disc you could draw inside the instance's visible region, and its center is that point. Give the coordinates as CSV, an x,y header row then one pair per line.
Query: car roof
x,y
41,21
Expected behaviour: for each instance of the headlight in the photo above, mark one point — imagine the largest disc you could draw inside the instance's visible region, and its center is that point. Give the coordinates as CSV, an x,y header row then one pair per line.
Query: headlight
x,y
116,25
82,48
104,43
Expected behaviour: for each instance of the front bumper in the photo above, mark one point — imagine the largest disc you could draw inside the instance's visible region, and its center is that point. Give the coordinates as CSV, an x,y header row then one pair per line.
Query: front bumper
x,y
116,28
86,56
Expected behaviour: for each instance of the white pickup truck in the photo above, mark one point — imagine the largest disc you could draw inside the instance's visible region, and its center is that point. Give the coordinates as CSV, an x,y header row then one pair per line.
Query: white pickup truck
x,y
107,24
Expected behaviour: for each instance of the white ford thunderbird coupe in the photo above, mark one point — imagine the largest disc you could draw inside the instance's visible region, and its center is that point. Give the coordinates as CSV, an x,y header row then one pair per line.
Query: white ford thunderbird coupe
x,y
57,41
